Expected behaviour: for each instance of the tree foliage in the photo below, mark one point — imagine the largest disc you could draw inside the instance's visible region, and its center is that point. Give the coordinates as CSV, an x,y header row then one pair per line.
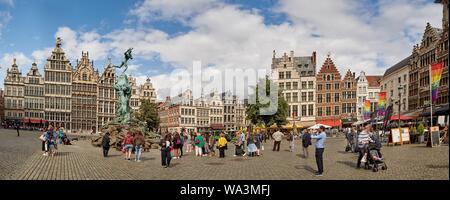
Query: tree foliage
x,y
148,112
256,105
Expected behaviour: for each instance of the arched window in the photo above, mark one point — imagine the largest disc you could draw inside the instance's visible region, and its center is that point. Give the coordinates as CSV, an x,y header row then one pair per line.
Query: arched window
x,y
328,77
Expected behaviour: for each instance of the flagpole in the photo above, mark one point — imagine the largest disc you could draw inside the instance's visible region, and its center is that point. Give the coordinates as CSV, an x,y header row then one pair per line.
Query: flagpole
x,y
431,98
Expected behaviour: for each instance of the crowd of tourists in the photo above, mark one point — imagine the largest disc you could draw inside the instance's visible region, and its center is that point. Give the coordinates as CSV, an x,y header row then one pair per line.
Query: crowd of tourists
x,y
52,137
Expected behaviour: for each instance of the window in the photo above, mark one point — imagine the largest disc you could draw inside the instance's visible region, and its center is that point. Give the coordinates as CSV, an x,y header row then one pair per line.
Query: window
x,y
281,75
294,85
328,98
295,97
319,87
295,110
328,86
310,96
288,85
303,96
288,97
404,78
304,110
310,84
319,111
336,97
336,86
336,110
288,75
328,78
319,98
281,86
328,111
303,84
311,110
399,79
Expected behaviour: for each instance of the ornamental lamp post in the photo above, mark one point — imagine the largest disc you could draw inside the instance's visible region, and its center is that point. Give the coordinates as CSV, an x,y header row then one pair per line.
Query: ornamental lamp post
x,y
400,89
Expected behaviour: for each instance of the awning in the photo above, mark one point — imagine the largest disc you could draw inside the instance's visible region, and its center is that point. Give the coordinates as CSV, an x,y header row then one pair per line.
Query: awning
x,y
33,121
317,126
292,126
402,117
437,110
348,120
217,127
330,122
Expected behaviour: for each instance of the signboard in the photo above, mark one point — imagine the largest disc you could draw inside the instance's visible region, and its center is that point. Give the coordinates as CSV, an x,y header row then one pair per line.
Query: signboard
x,y
433,140
405,135
396,136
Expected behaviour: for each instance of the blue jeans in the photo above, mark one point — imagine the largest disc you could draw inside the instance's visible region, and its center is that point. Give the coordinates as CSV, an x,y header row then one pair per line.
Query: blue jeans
x,y
138,152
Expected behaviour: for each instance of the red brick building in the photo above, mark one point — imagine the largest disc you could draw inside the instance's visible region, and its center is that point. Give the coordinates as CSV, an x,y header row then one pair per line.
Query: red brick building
x,y
348,99
328,84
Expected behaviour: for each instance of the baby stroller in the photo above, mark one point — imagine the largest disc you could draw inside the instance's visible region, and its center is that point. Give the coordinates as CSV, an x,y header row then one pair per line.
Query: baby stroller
x,y
374,160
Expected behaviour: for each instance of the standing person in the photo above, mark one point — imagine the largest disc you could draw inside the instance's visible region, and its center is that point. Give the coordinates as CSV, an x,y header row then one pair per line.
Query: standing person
x,y
222,145
320,147
128,145
198,143
258,141
176,145
44,144
105,144
206,144
165,151
238,145
61,135
363,144
138,142
243,140
251,145
212,143
188,142
306,142
182,144
290,138
17,128
50,142
265,136
277,137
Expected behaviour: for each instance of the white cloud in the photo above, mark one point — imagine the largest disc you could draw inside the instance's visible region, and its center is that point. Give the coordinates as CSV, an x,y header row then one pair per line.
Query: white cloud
x,y
7,60
151,10
5,17
7,2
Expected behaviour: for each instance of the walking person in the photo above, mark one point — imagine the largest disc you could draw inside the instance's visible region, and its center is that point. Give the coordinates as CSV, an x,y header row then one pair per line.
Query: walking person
x,y
176,145
212,143
198,143
188,142
251,145
222,145
165,152
105,144
258,143
290,139
277,137
128,145
44,144
182,144
306,142
206,144
62,135
320,147
138,142
17,128
238,145
363,144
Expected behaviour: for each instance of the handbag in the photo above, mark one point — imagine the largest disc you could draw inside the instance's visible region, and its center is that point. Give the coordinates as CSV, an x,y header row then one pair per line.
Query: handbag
x,y
42,137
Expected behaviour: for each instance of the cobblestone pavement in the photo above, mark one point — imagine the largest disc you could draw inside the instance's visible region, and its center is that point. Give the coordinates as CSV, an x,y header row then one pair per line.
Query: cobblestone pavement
x,y
21,158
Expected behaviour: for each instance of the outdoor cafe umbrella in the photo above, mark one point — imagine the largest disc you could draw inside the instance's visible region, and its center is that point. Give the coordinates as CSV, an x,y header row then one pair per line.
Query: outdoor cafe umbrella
x,y
317,126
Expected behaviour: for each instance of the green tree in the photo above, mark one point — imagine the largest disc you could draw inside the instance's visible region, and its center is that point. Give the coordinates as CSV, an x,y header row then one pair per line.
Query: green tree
x,y
421,128
148,112
257,106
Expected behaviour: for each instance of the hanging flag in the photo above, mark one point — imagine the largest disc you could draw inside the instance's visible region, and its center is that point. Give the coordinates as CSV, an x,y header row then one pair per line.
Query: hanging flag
x,y
367,110
387,116
436,73
381,104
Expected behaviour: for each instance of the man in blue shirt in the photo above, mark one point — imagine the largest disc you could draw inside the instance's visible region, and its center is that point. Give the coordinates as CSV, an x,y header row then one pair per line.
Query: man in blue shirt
x,y
321,137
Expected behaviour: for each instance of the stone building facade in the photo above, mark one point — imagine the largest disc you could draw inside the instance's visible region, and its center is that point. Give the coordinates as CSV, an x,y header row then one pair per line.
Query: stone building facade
x,y
295,76
14,94
58,88
393,78
34,98
84,96
106,97
2,105
368,87
348,99
328,83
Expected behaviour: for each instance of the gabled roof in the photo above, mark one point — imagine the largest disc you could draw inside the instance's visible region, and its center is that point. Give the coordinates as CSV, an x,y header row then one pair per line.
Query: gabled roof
x,y
373,81
328,67
398,66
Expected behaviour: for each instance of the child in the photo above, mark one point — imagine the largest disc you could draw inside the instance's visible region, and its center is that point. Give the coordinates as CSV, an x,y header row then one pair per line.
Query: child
x,y
165,154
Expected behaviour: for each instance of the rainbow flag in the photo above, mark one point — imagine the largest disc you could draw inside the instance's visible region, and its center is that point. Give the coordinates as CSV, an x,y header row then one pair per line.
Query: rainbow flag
x,y
436,73
366,109
381,103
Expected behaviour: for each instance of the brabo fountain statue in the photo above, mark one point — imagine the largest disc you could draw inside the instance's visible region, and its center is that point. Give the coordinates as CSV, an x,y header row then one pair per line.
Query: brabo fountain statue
x,y
123,88
124,121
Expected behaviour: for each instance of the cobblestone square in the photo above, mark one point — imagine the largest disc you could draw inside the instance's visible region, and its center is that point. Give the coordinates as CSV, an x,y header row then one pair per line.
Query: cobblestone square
x,y
21,159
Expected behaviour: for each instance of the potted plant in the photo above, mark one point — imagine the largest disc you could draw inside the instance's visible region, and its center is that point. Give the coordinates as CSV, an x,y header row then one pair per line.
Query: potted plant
x,y
421,130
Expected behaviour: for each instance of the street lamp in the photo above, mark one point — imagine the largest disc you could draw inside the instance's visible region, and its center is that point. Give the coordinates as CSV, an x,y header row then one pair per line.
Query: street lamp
x,y
400,89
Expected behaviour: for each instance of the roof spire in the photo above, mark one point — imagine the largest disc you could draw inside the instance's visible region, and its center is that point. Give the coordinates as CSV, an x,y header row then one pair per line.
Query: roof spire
x,y
14,61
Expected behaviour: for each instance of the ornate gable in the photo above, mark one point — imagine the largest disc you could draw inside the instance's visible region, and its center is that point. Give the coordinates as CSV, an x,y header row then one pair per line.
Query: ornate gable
x,y
85,70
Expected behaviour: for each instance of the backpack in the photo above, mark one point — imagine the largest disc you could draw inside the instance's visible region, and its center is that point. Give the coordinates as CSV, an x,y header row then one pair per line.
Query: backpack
x,y
228,137
197,141
178,141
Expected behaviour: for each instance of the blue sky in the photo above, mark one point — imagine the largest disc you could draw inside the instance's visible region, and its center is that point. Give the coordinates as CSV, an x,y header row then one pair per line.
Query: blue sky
x,y
168,35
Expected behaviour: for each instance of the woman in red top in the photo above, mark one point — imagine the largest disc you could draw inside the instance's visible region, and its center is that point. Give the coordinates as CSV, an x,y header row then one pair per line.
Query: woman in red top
x,y
128,145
